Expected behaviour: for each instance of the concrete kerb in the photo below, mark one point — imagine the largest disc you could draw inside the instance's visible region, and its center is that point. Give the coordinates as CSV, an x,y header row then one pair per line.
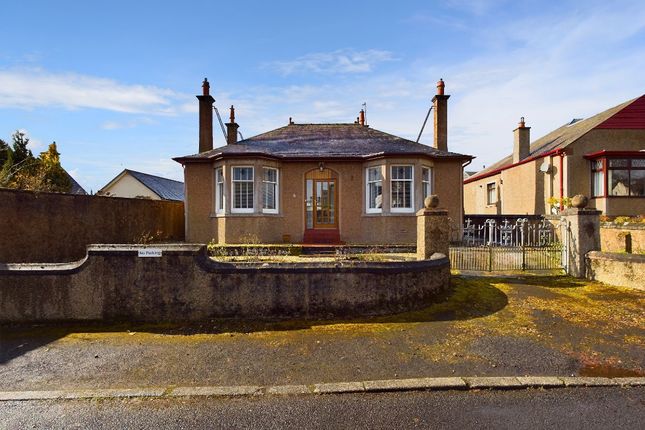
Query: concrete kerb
x,y
416,384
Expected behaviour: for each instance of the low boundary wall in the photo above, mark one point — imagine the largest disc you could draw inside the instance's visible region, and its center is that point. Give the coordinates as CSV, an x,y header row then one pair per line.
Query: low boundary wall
x,y
619,238
113,283
623,270
54,227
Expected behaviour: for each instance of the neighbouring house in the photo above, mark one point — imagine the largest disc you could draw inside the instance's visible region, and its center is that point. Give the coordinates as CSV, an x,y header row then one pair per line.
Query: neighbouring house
x,y
317,183
76,187
468,174
130,183
602,157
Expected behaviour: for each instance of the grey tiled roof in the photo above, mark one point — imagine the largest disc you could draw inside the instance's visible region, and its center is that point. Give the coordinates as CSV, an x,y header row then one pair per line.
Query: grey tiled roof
x,y
167,189
324,141
76,187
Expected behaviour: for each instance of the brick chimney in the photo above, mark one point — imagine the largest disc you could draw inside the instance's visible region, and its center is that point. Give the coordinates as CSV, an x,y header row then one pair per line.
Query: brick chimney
x,y
440,106
231,129
521,142
361,117
205,118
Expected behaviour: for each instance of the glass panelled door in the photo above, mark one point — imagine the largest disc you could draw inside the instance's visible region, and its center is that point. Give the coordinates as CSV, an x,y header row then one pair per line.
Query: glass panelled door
x,y
325,198
321,204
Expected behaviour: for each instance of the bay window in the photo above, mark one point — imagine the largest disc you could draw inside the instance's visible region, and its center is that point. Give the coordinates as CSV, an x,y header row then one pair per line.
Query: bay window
x,y
401,189
242,190
618,176
270,190
374,190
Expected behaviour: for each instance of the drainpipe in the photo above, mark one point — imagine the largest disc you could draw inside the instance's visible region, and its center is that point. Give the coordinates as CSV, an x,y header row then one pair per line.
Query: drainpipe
x,y
561,154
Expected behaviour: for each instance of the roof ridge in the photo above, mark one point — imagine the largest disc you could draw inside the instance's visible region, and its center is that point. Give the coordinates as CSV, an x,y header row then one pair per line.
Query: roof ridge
x,y
566,133
154,176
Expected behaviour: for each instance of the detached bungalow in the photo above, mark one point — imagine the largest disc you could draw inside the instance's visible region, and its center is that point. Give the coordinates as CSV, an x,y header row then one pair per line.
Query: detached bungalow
x,y
317,183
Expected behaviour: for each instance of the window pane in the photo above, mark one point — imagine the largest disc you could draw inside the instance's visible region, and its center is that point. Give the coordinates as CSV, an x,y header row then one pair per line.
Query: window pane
x,y
401,172
491,193
374,174
374,188
598,184
242,173
597,165
638,162
269,195
618,182
270,175
426,181
401,194
619,163
375,193
637,183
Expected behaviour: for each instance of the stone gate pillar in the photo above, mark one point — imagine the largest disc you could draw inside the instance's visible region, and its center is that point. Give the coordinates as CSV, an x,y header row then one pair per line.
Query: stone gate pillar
x,y
582,228
433,229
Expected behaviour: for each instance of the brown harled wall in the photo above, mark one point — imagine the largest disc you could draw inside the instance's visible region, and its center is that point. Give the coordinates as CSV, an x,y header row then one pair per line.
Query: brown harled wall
x,y
51,227
355,225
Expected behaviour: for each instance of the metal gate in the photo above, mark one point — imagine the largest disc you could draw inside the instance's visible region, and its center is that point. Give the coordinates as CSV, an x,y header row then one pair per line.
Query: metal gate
x,y
517,244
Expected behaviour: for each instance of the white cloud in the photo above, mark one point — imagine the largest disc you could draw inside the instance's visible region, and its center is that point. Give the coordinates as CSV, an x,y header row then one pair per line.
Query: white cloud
x,y
341,61
31,88
116,125
564,67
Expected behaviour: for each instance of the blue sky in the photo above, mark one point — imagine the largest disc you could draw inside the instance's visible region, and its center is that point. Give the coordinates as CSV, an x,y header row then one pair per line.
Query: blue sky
x,y
113,83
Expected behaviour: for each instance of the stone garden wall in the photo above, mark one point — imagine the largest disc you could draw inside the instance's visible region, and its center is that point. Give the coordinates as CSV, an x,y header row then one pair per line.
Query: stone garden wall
x,y
623,270
114,283
628,238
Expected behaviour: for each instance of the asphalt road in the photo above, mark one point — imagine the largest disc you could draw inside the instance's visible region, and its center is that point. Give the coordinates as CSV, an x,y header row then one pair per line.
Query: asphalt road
x,y
579,408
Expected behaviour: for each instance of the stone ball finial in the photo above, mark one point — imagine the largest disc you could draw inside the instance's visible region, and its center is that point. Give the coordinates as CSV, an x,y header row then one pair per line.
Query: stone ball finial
x,y
579,201
431,201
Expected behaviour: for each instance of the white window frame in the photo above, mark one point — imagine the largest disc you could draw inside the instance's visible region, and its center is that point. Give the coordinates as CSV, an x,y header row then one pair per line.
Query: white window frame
x,y
220,195
411,181
368,209
496,194
429,182
233,181
277,191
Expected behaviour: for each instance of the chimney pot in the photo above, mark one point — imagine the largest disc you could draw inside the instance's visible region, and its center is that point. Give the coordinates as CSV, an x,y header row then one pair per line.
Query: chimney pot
x,y
231,129
441,86
206,87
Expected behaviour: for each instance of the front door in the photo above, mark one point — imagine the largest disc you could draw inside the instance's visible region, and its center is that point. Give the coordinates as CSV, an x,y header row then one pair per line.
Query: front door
x,y
321,207
324,198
